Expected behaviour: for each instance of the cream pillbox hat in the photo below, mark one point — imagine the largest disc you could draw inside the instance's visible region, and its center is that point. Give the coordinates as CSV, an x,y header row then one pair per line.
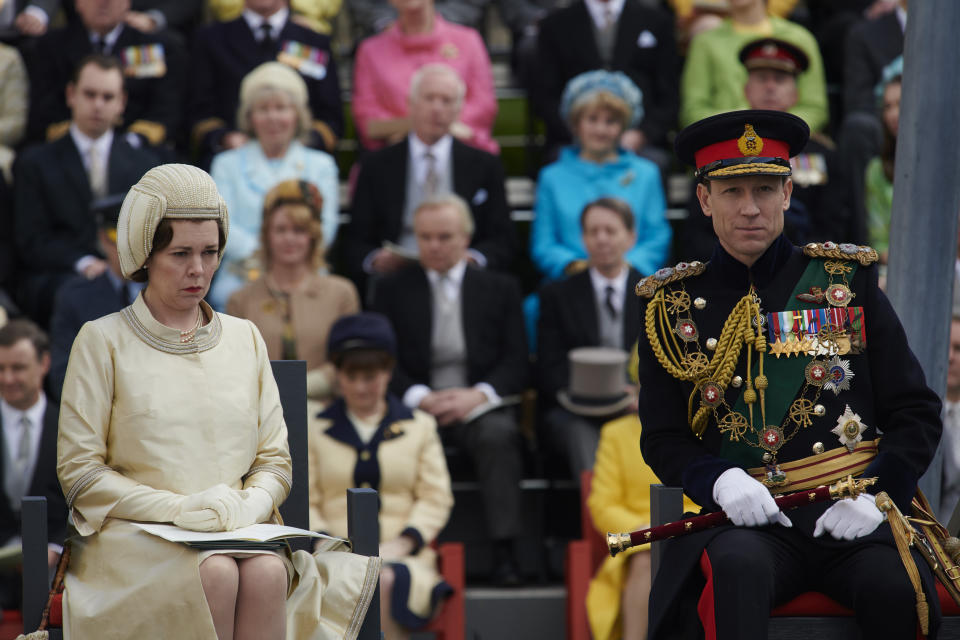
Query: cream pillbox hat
x,y
178,191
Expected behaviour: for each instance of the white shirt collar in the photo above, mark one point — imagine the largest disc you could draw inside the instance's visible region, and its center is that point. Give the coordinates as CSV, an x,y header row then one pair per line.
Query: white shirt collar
x,y
454,275
619,284
598,10
276,22
85,142
109,39
902,18
11,424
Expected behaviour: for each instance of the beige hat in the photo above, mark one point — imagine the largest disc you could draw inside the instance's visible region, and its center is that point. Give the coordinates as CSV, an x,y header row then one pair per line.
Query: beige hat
x,y
597,382
275,75
178,191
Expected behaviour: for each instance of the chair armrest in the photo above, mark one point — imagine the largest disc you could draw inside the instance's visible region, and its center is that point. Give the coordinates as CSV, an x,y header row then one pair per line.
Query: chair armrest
x,y
666,505
36,586
363,529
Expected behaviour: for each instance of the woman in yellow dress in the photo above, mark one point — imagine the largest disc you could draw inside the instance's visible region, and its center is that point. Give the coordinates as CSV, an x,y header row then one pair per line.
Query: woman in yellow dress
x,y
170,413
620,501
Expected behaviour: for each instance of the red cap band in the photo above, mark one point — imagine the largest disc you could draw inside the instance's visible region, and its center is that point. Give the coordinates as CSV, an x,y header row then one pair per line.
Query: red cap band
x,y
730,149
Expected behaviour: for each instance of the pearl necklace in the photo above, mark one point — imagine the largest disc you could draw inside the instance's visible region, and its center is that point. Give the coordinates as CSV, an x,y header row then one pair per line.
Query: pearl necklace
x,y
190,334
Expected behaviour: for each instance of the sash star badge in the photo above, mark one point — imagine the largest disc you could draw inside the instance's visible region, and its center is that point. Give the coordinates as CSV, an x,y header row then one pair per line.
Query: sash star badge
x,y
849,429
839,375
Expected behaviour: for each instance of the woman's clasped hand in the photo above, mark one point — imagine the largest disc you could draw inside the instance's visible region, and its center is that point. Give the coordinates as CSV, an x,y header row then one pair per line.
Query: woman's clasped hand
x,y
221,508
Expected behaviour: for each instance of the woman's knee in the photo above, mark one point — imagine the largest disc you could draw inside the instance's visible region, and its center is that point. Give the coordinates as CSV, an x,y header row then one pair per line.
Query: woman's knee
x,y
219,571
265,573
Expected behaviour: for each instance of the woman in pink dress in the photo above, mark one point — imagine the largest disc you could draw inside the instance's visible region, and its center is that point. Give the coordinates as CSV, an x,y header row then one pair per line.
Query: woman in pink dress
x,y
385,63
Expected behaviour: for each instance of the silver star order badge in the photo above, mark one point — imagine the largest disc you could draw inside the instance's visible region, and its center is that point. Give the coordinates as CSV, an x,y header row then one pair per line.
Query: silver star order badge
x,y
839,375
849,429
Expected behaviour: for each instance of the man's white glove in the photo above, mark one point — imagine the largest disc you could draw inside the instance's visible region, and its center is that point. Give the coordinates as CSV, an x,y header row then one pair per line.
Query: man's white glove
x,y
850,518
255,505
745,501
208,510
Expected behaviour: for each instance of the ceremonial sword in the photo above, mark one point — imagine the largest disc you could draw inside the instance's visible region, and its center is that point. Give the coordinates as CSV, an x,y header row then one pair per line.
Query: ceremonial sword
x,y
847,488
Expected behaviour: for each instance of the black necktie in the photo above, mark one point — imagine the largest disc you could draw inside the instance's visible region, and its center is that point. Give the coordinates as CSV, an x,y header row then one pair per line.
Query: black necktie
x,y
608,302
98,44
266,38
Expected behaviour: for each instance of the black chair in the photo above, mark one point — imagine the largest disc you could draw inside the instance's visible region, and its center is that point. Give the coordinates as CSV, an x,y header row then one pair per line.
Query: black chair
x,y
362,509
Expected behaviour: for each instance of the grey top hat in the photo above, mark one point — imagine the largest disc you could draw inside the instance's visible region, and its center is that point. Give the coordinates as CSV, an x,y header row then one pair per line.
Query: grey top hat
x,y
597,382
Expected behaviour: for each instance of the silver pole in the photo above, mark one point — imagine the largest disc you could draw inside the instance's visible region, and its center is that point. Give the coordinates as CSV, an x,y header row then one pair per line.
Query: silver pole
x,y
926,200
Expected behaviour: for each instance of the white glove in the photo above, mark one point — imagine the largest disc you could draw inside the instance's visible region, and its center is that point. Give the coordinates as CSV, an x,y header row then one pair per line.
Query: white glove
x,y
208,510
255,505
850,518
745,501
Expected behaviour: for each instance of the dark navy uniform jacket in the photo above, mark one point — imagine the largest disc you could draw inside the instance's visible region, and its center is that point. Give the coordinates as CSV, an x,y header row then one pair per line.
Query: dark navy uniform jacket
x,y
225,52
153,97
888,389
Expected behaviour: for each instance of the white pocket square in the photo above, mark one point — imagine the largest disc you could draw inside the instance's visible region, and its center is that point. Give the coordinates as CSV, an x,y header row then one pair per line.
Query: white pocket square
x,y
646,40
479,197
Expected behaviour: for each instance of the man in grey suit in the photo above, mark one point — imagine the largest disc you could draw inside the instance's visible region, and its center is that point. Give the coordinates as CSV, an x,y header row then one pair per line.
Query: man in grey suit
x,y
460,357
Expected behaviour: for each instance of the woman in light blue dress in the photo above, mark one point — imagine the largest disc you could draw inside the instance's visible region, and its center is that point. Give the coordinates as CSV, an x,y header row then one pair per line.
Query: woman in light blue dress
x,y
274,113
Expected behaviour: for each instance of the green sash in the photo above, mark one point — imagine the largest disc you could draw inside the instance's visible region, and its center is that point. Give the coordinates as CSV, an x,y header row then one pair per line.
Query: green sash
x,y
786,375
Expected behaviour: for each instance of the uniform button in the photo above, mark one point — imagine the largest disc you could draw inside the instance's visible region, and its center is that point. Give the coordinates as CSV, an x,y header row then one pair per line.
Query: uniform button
x,y
364,455
699,303
818,447
364,485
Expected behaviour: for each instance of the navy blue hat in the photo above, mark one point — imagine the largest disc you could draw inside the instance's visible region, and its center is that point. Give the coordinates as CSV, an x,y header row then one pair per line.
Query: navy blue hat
x,y
362,331
742,143
106,210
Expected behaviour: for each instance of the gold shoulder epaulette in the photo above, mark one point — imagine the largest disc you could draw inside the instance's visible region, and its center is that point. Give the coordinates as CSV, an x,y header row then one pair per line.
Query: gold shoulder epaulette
x,y
843,251
649,285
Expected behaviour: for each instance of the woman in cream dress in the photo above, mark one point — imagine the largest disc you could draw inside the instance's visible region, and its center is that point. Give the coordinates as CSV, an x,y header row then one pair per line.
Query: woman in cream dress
x,y
368,438
170,413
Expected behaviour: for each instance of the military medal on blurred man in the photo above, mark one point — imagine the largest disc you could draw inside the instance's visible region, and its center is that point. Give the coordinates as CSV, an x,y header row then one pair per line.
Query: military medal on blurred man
x,y
771,369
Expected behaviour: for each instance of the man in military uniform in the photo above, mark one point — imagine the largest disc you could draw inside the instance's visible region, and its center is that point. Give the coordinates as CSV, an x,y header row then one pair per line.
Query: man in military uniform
x,y
773,369
817,209
225,52
152,70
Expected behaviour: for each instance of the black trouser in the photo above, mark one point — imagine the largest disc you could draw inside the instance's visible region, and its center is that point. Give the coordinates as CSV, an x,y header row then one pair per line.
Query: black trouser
x,y
493,443
756,570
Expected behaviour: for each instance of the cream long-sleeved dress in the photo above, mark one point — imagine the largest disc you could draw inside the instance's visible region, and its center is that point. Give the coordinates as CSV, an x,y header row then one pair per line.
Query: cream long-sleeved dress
x,y
145,419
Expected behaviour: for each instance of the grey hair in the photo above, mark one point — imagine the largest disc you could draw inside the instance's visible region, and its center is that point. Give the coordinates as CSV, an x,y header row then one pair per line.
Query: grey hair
x,y
449,200
437,68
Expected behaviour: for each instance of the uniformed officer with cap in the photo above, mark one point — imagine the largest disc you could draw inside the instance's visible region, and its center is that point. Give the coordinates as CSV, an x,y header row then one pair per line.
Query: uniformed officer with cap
x,y
772,369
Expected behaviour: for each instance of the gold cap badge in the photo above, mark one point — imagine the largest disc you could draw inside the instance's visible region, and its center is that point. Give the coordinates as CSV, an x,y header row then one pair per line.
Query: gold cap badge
x,y
750,144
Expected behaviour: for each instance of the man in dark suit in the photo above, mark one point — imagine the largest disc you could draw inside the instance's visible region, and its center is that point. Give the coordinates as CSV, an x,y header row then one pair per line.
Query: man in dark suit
x,y
429,161
460,355
594,308
227,51
28,421
54,231
151,65
80,299
618,35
